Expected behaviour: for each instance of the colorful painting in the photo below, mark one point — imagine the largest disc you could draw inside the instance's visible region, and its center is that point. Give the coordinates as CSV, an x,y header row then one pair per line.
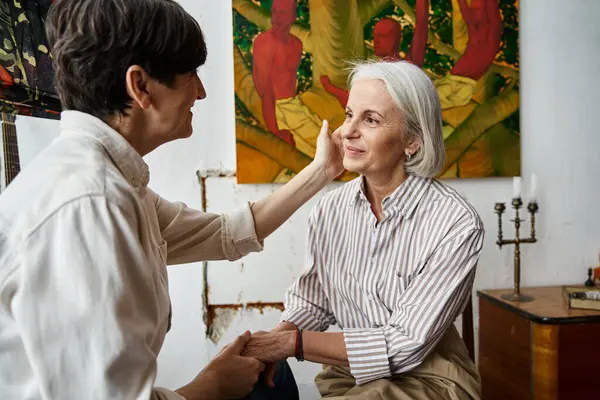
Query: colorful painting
x,y
26,73
291,67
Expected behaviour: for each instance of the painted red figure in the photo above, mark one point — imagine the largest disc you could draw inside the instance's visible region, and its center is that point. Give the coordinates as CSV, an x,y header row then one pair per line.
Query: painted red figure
x,y
484,25
387,36
5,78
276,57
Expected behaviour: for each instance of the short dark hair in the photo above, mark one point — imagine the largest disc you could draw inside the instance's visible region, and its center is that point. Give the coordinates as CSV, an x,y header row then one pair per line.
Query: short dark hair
x,y
94,42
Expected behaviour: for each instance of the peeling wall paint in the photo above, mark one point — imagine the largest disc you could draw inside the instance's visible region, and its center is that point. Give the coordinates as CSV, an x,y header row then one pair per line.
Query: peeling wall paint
x,y
210,315
219,320
206,173
220,316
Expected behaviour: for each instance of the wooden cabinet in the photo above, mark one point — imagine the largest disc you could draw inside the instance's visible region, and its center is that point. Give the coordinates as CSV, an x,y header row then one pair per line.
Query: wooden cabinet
x,y
539,349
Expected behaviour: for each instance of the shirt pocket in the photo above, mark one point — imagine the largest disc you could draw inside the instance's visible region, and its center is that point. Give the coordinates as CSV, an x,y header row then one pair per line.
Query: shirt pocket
x,y
406,273
391,291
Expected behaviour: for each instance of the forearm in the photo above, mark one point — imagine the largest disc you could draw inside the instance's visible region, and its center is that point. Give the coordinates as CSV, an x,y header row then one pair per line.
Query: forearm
x,y
339,93
493,11
325,348
320,347
270,212
206,389
465,11
268,108
495,23
419,42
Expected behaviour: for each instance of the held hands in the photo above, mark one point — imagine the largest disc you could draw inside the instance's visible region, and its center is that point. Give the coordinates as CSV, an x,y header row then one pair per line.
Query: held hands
x,y
330,153
270,347
228,376
233,373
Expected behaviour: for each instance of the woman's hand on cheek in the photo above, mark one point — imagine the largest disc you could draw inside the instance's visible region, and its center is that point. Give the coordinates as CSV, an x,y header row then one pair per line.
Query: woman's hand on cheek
x,y
330,153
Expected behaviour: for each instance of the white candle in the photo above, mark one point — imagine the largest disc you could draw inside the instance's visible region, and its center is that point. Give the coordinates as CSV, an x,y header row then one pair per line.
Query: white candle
x,y
533,195
517,187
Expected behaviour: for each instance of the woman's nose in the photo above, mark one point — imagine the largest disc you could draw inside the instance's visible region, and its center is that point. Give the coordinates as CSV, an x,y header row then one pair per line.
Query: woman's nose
x,y
349,131
201,90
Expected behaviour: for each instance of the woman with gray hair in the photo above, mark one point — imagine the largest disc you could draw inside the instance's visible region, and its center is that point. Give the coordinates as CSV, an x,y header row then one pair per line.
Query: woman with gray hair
x,y
391,256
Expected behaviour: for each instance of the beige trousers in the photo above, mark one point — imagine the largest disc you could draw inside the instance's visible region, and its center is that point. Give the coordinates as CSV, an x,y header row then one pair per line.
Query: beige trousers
x,y
446,374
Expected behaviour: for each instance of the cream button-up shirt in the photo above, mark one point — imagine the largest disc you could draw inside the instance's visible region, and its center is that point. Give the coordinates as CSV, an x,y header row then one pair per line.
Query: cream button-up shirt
x,y
84,243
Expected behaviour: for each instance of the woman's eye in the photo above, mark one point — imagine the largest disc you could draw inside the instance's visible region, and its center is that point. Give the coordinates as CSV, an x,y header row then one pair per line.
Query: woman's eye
x,y
371,120
348,115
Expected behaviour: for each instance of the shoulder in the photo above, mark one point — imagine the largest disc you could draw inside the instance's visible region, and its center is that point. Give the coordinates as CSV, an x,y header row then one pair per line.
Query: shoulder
x,y
84,168
262,38
263,45
65,177
454,204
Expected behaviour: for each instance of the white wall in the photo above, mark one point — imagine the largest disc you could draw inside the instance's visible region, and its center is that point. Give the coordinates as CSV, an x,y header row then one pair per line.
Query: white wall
x,y
560,83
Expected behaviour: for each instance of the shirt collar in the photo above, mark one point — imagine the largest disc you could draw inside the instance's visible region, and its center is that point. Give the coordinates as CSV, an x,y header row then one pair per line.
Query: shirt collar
x,y
404,199
125,157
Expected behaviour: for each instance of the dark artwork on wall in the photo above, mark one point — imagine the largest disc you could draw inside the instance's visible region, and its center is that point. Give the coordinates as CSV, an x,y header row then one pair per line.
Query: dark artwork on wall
x,y
26,73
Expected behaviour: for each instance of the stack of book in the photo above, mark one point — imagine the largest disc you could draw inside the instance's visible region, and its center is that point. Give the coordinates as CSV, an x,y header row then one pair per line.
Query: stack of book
x,y
584,297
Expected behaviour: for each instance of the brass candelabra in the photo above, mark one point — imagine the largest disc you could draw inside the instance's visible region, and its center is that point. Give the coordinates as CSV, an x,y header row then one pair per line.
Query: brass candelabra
x,y
499,208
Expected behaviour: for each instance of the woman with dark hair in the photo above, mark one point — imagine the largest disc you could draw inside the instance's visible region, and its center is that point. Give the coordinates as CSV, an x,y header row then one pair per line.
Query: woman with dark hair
x,y
84,242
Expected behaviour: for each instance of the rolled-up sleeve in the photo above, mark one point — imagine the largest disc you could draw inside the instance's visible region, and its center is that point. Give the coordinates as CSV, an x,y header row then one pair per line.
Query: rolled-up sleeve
x,y
424,311
239,237
305,302
194,235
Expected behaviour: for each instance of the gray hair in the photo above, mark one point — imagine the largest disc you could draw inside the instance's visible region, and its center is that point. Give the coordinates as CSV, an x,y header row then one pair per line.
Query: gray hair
x,y
417,99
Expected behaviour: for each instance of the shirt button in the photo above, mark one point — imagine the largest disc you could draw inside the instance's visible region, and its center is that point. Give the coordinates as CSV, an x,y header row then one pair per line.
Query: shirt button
x,y
134,181
370,297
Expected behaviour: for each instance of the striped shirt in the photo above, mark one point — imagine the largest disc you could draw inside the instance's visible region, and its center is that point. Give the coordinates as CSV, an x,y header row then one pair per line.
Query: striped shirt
x,y
393,286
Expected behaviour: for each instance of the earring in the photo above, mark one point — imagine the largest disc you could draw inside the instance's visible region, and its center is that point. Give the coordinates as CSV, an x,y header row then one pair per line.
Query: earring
x,y
408,157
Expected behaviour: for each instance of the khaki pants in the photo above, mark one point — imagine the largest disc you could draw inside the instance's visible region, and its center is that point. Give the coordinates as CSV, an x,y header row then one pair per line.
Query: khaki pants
x,y
446,374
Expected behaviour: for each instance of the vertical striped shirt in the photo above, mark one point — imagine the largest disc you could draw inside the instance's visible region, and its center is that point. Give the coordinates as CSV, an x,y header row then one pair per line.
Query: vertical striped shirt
x,y
393,286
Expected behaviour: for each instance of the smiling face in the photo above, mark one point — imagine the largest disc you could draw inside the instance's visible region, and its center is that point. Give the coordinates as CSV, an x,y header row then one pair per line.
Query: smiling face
x,y
173,106
159,112
373,131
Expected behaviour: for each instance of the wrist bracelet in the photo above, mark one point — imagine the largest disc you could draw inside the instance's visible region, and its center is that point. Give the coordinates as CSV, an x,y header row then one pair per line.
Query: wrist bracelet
x,y
299,345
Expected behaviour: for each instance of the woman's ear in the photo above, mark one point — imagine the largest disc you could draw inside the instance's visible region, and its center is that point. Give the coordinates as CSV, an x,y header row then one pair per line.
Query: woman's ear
x,y
413,147
137,82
